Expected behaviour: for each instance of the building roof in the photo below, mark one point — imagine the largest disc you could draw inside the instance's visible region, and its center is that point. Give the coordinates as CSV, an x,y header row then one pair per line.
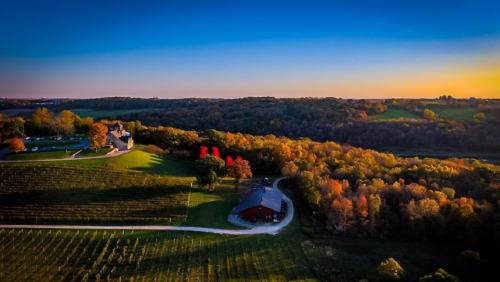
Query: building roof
x,y
125,138
266,197
117,125
115,133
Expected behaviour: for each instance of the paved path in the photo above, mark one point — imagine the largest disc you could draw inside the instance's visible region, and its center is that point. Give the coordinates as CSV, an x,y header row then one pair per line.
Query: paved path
x,y
69,159
273,229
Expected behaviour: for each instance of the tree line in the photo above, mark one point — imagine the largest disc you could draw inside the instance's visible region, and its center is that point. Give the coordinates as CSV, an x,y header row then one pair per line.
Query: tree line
x,y
364,193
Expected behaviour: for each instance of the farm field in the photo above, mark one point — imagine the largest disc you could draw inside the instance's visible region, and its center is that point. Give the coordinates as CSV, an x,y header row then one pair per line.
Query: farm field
x,y
88,255
37,193
39,155
394,114
444,111
83,113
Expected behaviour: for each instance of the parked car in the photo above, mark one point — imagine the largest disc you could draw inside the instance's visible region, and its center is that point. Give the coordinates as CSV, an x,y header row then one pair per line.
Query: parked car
x,y
34,149
25,150
80,138
42,149
28,138
53,148
71,138
59,138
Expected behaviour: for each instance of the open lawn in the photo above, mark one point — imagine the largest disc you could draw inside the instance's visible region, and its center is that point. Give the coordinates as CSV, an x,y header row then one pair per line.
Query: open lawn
x,y
394,114
23,156
456,113
211,208
93,153
136,160
83,113
18,112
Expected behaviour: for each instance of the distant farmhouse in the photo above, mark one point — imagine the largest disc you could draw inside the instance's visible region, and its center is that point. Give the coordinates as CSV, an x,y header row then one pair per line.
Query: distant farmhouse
x,y
261,204
119,138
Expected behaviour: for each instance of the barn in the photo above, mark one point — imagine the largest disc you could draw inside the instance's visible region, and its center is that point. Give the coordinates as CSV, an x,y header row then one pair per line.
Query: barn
x,y
261,204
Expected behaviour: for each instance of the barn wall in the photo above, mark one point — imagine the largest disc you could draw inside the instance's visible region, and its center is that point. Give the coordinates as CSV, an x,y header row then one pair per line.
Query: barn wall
x,y
248,214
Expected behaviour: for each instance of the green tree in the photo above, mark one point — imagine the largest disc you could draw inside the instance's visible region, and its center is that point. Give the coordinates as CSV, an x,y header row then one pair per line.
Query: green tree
x,y
428,114
449,192
63,125
439,276
10,128
41,119
69,116
209,171
390,270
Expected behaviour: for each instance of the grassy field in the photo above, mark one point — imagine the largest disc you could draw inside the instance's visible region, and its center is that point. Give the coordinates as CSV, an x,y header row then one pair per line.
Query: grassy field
x,y
394,114
49,144
23,156
83,113
92,153
444,111
18,112
210,209
136,160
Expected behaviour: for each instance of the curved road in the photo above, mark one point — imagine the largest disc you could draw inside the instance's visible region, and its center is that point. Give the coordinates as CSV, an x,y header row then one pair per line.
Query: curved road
x,y
115,154
273,229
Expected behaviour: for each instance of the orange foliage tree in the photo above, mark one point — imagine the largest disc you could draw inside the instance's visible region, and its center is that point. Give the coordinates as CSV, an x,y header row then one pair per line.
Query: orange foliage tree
x,y
97,135
239,169
16,145
341,213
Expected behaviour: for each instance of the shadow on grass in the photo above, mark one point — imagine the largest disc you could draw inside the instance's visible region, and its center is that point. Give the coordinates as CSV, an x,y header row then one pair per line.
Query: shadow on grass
x,y
167,166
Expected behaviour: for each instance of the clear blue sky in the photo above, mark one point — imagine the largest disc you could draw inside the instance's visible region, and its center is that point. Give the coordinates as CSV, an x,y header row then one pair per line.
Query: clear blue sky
x,y
174,49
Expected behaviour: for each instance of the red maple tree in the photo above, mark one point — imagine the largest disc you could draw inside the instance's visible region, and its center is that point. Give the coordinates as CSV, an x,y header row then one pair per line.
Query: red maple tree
x,y
229,161
215,152
203,152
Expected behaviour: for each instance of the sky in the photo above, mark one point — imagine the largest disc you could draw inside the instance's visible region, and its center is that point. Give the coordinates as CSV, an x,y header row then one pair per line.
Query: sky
x,y
232,49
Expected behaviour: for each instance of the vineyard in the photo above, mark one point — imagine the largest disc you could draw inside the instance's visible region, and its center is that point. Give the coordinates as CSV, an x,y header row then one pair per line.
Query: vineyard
x,y
57,194
89,255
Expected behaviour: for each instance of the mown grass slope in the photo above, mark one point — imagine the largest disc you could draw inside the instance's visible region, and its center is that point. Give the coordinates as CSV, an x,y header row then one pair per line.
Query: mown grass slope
x,y
39,155
456,113
394,114
136,160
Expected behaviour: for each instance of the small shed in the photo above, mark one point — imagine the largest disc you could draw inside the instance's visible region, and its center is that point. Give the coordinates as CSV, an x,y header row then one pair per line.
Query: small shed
x,y
260,204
